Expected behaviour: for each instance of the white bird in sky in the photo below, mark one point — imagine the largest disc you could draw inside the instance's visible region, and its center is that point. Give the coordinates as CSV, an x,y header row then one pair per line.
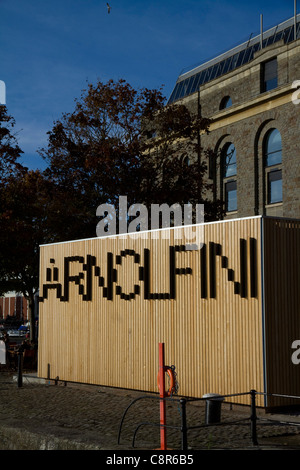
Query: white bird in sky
x,y
108,8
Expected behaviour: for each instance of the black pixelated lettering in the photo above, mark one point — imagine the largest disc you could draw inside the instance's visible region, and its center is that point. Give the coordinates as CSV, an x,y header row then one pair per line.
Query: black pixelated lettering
x,y
208,255
253,267
203,272
55,274
243,267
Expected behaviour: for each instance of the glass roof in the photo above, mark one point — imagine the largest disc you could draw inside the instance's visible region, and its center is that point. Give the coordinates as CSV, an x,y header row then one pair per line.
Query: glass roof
x,y
190,81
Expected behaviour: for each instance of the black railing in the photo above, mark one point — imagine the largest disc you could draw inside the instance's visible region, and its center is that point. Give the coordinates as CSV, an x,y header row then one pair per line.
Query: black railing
x,y
184,429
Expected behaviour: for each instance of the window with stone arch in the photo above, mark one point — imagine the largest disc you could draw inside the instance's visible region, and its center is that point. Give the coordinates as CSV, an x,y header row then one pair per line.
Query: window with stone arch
x,y
272,152
185,160
226,102
229,175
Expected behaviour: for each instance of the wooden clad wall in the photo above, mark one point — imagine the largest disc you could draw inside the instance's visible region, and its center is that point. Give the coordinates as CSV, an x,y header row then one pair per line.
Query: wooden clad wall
x,y
282,306
106,304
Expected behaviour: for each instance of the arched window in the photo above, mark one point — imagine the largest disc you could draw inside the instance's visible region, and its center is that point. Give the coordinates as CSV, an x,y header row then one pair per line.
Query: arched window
x,y
229,171
229,161
226,102
186,160
273,169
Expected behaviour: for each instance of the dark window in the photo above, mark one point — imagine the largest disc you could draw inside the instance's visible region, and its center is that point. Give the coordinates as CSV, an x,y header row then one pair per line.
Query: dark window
x,y
231,196
273,154
274,186
226,102
182,88
248,55
235,60
229,161
211,166
214,71
273,164
196,83
209,72
190,85
226,65
186,160
229,172
289,34
269,75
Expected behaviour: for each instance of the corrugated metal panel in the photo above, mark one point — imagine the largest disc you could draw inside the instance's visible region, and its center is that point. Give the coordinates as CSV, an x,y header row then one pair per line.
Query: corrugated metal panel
x,y
207,312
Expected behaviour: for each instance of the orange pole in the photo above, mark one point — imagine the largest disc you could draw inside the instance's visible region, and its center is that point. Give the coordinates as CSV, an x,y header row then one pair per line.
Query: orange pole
x,y
163,430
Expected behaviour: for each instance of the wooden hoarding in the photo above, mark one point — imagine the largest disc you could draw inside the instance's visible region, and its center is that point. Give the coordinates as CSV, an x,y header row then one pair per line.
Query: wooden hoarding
x,y
106,304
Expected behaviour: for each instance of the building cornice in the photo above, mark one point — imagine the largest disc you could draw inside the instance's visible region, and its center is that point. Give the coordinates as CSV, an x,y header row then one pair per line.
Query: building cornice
x,y
265,102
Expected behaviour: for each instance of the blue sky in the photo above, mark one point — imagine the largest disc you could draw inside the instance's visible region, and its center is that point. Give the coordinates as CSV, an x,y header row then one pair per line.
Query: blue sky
x,y
50,50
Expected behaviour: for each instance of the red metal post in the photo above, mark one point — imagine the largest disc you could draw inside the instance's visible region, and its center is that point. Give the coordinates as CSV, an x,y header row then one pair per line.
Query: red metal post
x,y
162,393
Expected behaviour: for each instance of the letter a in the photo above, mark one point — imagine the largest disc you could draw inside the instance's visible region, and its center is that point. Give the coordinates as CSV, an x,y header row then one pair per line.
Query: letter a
x,y
107,225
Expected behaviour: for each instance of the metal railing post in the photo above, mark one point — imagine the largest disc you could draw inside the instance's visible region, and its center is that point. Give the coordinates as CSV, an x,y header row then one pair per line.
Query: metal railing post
x,y
162,394
183,425
20,360
253,418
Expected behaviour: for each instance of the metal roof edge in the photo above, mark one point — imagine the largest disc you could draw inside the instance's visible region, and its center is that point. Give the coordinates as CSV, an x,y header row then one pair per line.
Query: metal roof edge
x,y
235,49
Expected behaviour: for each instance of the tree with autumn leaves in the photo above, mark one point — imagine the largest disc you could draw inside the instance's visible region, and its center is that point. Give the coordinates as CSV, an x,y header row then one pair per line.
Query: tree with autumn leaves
x,y
118,141
23,219
124,142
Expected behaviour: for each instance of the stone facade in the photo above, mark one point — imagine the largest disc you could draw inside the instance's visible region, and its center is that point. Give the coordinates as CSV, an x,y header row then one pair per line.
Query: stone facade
x,y
246,123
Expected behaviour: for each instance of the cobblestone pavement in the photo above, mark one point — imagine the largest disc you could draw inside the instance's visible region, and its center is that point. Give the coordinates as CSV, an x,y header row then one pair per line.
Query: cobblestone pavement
x,y
90,416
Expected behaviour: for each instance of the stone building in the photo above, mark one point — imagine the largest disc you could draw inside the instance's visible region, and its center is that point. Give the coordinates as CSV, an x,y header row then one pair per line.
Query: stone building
x,y
250,93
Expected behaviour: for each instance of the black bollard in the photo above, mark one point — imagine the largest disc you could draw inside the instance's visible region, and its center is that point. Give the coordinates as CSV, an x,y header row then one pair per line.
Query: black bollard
x,y
213,408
